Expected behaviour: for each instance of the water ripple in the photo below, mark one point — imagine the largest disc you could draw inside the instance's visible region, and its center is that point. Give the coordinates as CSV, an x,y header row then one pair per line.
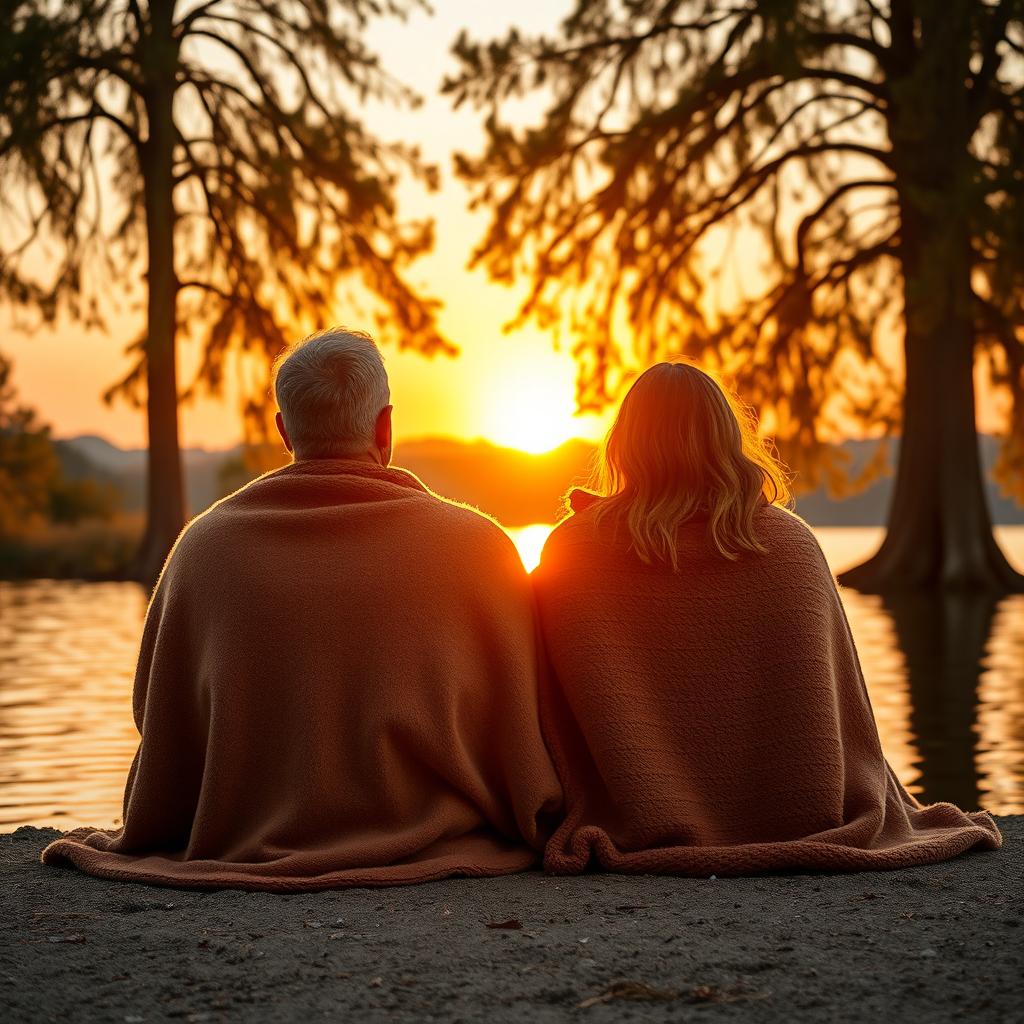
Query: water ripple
x,y
946,681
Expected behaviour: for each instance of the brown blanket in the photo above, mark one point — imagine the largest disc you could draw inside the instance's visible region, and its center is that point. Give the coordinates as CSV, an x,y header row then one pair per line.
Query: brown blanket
x,y
716,721
337,686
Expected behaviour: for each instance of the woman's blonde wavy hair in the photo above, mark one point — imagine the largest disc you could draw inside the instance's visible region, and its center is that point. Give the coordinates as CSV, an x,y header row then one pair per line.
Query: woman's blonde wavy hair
x,y
683,446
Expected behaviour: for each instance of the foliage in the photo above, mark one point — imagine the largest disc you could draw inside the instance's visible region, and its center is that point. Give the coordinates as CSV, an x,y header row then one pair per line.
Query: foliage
x,y
33,489
93,549
683,136
280,193
28,464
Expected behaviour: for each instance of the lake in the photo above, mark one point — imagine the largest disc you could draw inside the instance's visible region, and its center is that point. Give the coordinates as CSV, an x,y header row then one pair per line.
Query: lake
x,y
945,673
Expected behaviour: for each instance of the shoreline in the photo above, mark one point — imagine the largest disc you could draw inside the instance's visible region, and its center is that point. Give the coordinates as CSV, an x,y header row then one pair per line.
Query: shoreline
x,y
936,943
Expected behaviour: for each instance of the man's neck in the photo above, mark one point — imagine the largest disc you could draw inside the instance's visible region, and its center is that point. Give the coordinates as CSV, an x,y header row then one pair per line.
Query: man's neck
x,y
368,457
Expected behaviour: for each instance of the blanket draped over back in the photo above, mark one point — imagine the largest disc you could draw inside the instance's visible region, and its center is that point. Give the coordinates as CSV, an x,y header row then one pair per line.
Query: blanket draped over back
x,y
715,720
337,686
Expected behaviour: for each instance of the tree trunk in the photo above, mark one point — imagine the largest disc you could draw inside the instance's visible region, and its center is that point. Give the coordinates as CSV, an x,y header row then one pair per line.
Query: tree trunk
x,y
940,530
165,494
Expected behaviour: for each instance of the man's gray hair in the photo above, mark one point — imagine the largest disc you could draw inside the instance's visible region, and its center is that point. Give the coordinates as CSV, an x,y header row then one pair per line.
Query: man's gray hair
x,y
330,388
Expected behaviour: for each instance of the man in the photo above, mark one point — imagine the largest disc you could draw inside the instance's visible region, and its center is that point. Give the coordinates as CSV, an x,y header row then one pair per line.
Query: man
x,y
338,676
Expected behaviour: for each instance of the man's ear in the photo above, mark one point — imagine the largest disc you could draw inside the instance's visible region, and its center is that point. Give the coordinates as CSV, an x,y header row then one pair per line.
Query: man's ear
x,y
279,420
382,433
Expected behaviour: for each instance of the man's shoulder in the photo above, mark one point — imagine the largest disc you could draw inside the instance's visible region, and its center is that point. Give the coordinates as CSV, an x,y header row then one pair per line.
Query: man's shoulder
x,y
454,540
423,521
208,531
202,534
466,522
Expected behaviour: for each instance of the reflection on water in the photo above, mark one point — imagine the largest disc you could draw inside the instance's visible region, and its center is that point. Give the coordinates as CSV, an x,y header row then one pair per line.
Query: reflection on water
x,y
946,677
529,542
943,639
67,657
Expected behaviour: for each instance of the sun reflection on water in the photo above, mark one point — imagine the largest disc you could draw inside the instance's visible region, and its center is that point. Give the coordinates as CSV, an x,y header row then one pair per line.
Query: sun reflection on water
x,y
529,542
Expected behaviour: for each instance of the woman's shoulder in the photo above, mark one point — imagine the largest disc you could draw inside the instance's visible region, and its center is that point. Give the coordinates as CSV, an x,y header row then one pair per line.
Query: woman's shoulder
x,y
581,514
784,521
783,532
579,499
786,533
576,525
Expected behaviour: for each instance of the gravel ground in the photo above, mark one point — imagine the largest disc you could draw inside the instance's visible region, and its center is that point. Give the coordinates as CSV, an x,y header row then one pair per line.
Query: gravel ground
x,y
927,944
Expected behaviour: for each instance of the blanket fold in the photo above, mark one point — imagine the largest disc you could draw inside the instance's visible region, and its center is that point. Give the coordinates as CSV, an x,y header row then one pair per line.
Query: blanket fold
x,y
715,720
337,685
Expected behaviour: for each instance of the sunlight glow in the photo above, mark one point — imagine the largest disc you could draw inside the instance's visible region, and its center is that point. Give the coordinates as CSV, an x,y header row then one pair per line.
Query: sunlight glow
x,y
532,409
529,542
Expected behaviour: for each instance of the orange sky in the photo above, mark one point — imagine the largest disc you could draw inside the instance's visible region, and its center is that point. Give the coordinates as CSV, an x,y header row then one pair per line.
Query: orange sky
x,y
514,389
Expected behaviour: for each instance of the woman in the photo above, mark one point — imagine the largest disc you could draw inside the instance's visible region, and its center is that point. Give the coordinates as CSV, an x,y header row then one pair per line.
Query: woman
x,y
708,714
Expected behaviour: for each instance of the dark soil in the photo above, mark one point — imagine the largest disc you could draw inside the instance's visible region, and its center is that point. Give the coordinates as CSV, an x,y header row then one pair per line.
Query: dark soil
x,y
927,944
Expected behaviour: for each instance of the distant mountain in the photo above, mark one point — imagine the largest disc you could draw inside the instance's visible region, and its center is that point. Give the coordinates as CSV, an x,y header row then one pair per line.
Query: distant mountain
x,y
105,456
89,456
516,487
870,507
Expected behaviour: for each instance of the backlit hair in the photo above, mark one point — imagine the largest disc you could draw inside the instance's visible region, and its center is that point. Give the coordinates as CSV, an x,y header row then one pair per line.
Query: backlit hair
x,y
681,447
330,388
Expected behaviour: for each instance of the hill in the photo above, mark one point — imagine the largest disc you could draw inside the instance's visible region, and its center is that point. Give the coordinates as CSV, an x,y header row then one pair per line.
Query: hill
x,y
89,456
516,487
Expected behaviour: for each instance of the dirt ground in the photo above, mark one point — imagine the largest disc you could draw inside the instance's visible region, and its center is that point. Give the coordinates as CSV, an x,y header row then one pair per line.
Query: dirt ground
x,y
928,944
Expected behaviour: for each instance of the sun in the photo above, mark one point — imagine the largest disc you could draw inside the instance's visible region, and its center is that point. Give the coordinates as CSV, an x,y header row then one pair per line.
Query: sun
x,y
532,411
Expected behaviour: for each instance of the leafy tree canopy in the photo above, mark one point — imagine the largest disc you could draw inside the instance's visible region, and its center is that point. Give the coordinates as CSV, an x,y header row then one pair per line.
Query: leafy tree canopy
x,y
280,192
684,137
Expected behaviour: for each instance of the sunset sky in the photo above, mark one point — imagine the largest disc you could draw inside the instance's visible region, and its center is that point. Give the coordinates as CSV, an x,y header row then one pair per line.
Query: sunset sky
x,y
512,389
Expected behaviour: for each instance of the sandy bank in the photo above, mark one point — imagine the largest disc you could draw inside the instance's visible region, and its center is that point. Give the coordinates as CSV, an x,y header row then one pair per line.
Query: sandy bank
x,y
927,944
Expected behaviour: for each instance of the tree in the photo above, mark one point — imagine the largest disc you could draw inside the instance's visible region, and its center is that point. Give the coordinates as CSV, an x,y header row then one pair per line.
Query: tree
x,y
209,146
28,463
33,486
869,152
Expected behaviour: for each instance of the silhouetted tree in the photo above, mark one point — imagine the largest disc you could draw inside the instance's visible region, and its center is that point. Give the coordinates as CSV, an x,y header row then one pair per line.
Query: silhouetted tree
x,y
33,487
28,462
860,161
211,145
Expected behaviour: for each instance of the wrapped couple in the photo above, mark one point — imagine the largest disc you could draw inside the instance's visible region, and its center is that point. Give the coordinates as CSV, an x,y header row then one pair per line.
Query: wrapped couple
x,y
345,679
